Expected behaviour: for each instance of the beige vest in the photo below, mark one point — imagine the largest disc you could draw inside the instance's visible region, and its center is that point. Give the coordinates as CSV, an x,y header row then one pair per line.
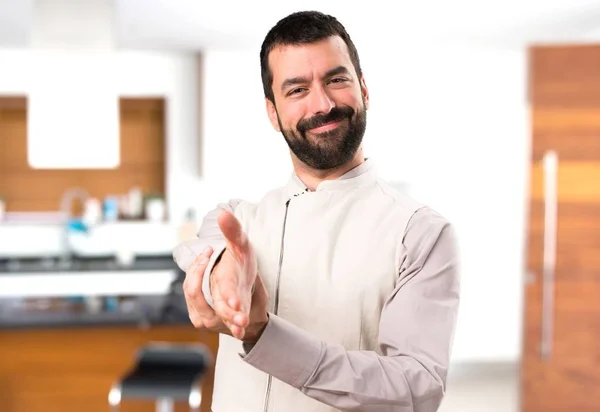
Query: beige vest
x,y
330,260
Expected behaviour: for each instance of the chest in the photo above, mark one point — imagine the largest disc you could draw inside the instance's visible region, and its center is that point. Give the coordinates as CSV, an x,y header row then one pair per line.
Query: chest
x,y
326,254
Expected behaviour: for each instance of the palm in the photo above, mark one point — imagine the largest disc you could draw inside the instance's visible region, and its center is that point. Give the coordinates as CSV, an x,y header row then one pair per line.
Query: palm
x,y
237,272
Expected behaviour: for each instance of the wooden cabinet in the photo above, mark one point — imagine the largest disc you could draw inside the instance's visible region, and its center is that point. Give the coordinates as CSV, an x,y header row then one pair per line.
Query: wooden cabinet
x,y
72,370
142,158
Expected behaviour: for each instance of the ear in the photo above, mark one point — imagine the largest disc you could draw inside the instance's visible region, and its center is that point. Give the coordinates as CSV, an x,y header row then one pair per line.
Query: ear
x,y
364,91
272,112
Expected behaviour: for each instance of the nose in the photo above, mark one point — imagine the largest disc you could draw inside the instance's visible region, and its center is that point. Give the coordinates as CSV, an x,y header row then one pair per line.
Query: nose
x,y
321,102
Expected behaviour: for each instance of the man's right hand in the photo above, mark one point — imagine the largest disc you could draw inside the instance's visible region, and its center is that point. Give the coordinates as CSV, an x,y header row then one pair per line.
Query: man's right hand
x,y
238,293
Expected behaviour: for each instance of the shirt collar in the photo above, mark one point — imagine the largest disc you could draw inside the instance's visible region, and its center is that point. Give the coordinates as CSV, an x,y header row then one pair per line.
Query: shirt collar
x,y
363,173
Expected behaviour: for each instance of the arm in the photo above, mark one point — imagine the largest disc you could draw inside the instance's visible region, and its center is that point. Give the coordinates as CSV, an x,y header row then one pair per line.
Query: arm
x,y
416,334
209,234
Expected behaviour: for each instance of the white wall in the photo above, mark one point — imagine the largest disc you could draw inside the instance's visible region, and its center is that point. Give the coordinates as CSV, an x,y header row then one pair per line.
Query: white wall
x,y
448,120
452,122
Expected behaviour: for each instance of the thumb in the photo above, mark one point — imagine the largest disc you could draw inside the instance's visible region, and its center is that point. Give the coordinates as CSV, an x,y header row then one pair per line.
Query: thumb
x,y
232,230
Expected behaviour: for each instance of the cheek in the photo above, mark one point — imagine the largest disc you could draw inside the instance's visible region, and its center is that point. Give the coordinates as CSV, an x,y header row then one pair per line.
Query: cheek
x,y
290,117
349,97
359,100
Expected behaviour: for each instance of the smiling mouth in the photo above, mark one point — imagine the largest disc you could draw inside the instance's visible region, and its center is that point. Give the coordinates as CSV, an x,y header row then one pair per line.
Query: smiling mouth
x,y
326,127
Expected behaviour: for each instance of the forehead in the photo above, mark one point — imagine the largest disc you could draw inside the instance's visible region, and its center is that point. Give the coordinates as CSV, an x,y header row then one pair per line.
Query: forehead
x,y
309,59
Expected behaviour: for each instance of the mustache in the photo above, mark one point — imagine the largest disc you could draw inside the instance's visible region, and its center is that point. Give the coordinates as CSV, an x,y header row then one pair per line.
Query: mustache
x,y
335,115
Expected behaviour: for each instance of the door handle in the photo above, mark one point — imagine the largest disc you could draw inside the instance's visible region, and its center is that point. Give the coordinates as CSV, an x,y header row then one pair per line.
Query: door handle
x,y
550,167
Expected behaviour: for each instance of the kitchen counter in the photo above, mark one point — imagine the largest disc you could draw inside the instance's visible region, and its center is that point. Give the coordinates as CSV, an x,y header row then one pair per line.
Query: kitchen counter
x,y
82,264
137,311
68,332
65,369
148,275
91,292
87,320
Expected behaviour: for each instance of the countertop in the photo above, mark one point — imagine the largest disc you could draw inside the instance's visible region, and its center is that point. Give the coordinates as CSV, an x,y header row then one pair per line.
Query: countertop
x,y
83,264
137,311
86,320
91,292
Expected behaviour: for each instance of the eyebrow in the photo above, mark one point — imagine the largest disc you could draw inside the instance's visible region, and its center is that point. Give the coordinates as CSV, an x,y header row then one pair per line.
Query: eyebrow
x,y
299,80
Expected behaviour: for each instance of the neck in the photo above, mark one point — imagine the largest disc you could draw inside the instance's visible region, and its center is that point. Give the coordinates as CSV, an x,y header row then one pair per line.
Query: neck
x,y
312,177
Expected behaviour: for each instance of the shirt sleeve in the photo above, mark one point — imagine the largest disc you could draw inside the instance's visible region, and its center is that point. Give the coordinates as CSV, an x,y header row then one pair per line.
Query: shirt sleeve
x,y
209,234
415,336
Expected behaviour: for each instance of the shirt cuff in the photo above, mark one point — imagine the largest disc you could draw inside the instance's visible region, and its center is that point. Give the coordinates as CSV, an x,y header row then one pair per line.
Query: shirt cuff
x,y
286,352
218,249
186,253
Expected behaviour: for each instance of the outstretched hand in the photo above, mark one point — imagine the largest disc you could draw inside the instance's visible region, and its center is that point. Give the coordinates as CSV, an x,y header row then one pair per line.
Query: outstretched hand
x,y
238,293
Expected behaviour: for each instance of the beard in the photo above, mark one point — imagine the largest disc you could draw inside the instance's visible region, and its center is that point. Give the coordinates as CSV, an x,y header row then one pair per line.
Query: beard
x,y
332,148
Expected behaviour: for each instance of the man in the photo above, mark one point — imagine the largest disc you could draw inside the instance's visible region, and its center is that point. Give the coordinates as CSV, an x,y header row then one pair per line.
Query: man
x,y
334,292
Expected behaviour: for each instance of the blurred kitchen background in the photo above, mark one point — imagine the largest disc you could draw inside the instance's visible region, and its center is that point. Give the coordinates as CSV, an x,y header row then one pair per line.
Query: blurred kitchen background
x,y
123,122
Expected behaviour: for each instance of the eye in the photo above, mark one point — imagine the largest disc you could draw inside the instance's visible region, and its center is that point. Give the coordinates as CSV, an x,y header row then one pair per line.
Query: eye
x,y
296,91
338,80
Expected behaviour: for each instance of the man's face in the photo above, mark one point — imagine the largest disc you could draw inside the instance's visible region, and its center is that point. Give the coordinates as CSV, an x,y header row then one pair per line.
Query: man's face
x,y
320,103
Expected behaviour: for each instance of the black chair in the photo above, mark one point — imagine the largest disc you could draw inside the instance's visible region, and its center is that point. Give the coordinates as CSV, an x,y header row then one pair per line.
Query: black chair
x,y
165,373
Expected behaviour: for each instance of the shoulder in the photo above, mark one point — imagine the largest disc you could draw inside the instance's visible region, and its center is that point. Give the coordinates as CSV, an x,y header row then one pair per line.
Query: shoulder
x,y
412,217
429,239
398,201
423,226
421,218
426,223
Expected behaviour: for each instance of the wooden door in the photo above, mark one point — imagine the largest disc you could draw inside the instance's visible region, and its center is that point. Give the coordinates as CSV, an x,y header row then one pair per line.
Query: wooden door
x,y
561,354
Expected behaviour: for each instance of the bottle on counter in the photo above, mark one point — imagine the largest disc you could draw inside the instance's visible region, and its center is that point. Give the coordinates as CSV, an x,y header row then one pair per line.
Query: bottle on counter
x,y
93,304
92,213
155,208
136,203
111,208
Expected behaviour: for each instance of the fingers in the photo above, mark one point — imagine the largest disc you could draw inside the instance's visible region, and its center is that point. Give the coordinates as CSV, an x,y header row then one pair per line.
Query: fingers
x,y
227,302
194,316
192,287
227,280
230,317
235,287
232,230
198,267
237,332
224,292
223,303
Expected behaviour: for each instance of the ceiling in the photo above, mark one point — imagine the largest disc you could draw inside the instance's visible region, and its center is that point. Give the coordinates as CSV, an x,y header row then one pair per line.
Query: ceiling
x,y
192,25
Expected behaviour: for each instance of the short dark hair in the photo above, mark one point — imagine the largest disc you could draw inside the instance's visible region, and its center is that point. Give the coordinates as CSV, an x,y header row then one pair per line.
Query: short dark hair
x,y
302,27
